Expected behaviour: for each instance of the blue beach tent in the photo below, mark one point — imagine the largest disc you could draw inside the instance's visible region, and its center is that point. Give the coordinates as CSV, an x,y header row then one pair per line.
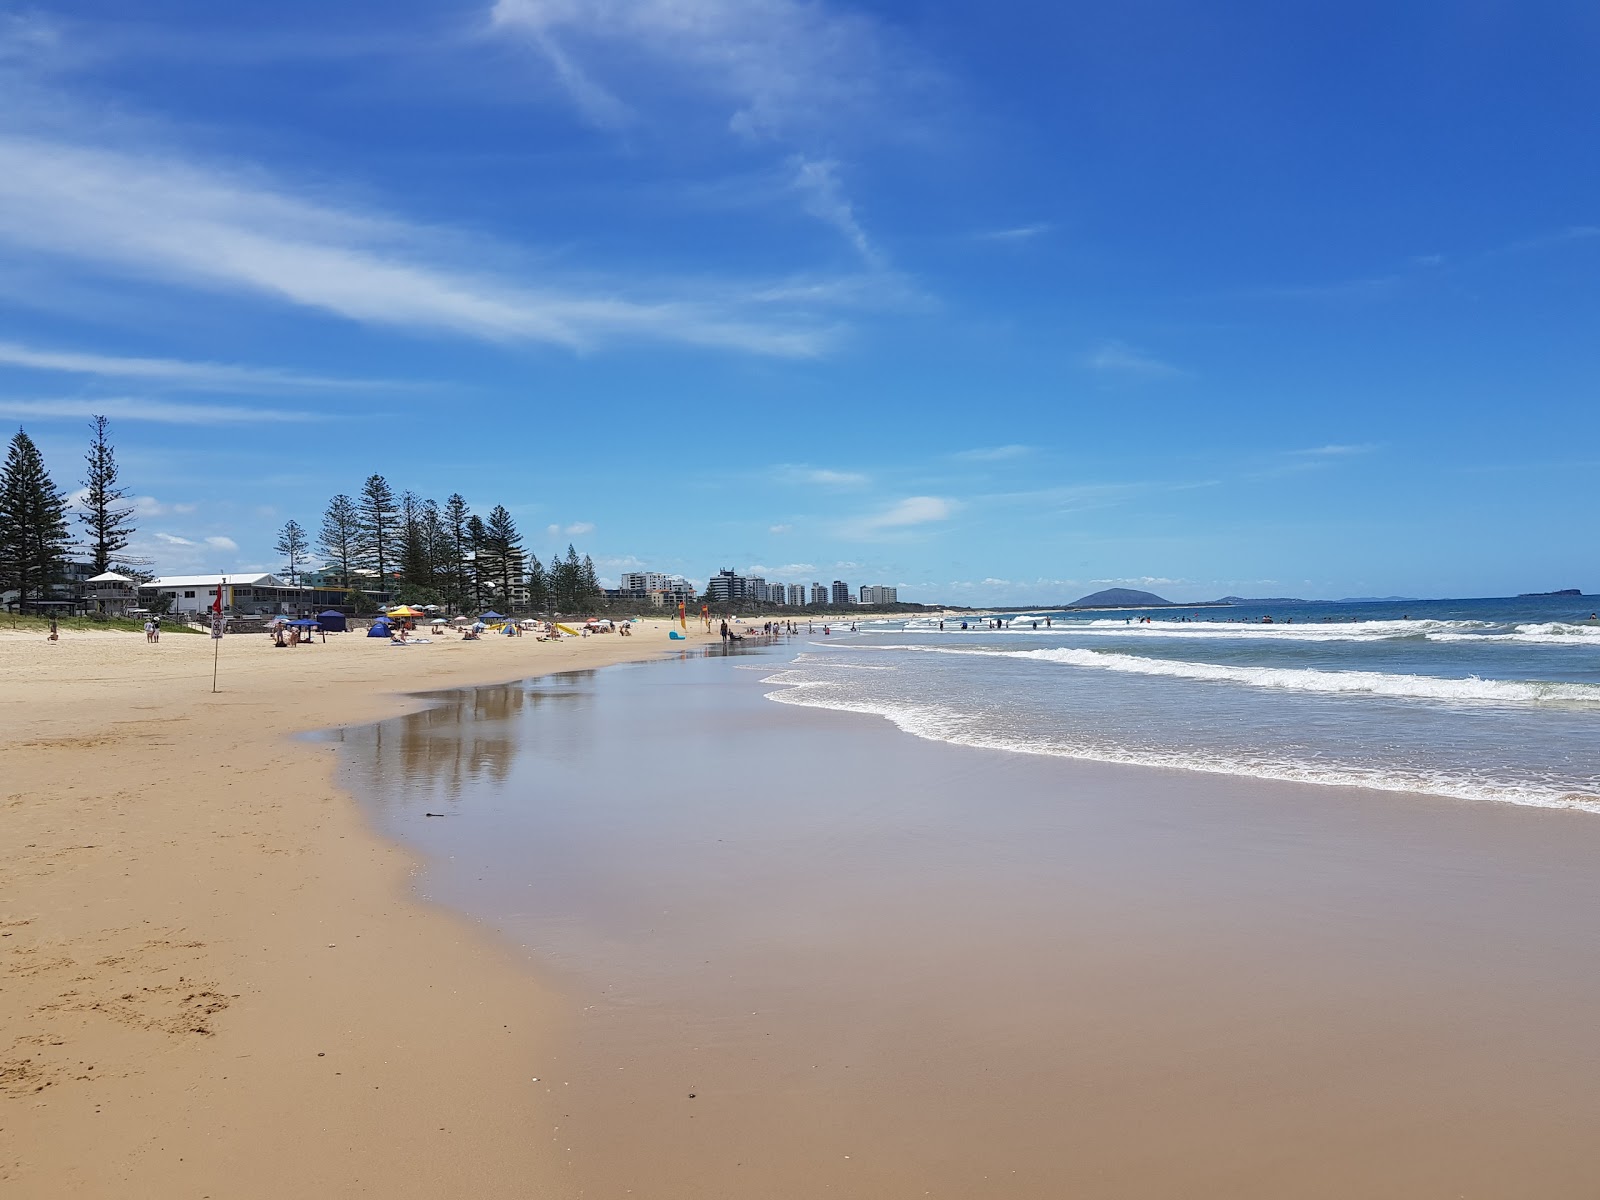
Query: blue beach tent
x,y
332,620
491,616
379,629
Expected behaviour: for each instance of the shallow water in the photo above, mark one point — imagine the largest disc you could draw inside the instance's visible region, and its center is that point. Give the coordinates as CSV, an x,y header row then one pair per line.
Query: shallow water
x,y
1493,700
887,966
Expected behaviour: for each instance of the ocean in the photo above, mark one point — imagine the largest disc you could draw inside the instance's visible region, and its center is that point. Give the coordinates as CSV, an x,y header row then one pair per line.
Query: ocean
x,y
1482,700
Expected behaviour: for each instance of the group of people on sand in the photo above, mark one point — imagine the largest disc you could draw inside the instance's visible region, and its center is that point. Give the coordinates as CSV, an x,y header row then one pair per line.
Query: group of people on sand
x,y
768,629
283,634
152,629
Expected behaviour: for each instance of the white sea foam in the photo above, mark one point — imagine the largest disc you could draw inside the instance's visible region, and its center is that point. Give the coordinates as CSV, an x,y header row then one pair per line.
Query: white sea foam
x,y
1299,679
942,724
1554,633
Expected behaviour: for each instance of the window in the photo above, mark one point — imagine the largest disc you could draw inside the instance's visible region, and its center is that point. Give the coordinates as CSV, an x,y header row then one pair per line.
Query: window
x,y
188,595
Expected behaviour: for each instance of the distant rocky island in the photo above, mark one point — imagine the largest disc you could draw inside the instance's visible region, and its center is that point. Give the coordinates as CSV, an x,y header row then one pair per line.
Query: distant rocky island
x,y
1562,592
1260,600
1121,598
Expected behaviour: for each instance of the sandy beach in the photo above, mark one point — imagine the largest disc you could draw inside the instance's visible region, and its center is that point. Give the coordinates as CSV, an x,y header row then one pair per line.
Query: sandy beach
x,y
213,980
658,935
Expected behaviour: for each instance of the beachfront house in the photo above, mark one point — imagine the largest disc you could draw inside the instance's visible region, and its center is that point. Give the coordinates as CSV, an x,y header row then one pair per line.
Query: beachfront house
x,y
110,593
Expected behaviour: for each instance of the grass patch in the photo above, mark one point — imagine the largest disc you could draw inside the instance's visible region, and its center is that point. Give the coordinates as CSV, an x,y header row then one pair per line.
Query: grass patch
x,y
29,623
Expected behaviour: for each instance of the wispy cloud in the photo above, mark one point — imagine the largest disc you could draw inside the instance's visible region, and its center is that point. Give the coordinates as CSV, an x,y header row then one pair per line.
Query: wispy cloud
x,y
132,408
779,529
801,74
820,476
1118,358
993,453
149,506
173,372
785,571
817,180
223,543
576,529
773,69
904,515
155,215
1337,450
1018,233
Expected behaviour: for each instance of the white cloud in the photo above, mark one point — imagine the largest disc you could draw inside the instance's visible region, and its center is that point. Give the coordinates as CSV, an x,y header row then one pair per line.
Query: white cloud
x,y
799,473
993,453
914,510
908,513
795,72
223,543
1020,233
154,215
169,371
149,506
576,529
779,529
817,180
172,539
132,408
772,68
788,572
1122,359
1338,451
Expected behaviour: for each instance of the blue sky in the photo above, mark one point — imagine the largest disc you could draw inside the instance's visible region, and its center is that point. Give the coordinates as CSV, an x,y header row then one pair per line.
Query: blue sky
x,y
996,303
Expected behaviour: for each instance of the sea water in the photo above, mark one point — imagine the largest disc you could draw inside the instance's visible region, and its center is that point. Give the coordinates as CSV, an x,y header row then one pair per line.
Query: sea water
x,y
1483,700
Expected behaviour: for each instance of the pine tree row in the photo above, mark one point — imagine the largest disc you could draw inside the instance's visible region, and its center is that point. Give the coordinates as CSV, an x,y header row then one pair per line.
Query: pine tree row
x,y
35,535
417,551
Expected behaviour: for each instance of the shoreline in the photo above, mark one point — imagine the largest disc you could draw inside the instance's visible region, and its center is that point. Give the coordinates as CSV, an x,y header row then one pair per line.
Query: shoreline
x,y
214,977
1063,976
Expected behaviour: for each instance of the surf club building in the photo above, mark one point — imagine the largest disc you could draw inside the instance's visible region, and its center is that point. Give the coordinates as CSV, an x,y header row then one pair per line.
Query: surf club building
x,y
243,594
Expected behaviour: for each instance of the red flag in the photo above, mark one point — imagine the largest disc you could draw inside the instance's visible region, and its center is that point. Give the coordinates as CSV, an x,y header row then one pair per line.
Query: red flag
x,y
216,605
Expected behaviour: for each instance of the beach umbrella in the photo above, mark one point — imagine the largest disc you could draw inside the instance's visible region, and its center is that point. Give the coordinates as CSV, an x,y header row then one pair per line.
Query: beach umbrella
x,y
463,620
405,610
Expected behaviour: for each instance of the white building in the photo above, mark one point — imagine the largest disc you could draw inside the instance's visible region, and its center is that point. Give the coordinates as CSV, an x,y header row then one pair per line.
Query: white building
x,y
819,594
797,595
872,593
642,583
243,594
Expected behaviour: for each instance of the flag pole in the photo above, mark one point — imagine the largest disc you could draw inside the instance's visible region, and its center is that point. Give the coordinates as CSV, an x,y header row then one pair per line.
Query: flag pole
x,y
216,634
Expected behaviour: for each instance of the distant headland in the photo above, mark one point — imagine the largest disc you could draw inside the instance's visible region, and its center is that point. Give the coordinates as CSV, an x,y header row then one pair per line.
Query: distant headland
x,y
1562,592
1121,598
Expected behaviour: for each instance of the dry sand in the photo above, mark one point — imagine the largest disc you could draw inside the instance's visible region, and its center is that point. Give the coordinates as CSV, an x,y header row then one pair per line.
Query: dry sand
x,y
213,981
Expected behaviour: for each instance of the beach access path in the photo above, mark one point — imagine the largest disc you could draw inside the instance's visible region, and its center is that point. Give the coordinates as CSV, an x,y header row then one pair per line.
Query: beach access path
x,y
214,980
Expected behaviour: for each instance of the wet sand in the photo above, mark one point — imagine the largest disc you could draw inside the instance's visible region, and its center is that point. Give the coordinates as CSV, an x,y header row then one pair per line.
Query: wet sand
x,y
804,954
213,978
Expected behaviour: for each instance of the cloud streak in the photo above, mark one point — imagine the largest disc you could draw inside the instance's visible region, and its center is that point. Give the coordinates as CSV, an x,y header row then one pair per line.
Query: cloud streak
x,y
132,408
820,476
902,516
1118,358
156,216
772,69
174,372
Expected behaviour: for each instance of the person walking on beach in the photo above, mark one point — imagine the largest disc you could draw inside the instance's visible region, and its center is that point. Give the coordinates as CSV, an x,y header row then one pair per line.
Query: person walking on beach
x,y
156,630
724,629
149,631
